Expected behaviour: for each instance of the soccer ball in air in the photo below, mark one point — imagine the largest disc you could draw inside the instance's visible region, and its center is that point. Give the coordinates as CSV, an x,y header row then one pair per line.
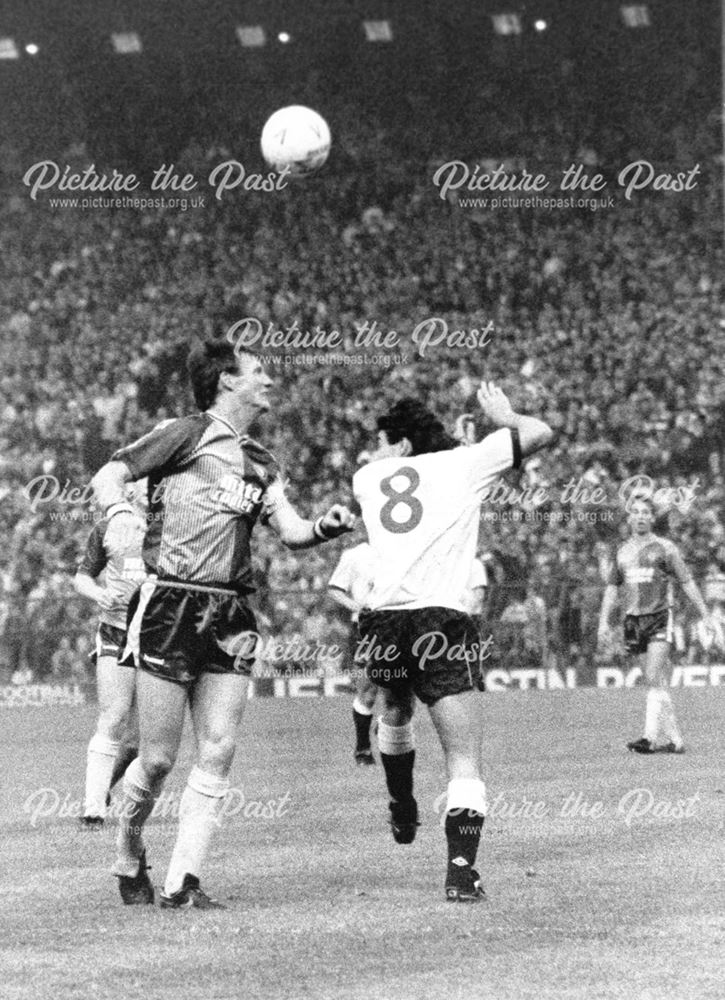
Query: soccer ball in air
x,y
297,138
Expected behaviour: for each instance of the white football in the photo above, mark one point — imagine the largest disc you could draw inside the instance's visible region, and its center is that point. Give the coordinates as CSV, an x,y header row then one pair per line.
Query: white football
x,y
296,137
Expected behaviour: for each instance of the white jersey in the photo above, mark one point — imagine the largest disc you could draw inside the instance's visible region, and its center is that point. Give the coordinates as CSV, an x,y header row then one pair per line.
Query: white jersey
x,y
354,575
422,515
477,580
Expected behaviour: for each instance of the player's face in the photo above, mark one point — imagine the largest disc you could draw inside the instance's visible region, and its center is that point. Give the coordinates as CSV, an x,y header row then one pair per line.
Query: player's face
x,y
641,518
253,383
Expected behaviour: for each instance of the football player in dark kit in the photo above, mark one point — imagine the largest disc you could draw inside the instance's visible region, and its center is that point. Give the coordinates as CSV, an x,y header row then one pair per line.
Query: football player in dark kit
x,y
193,630
645,567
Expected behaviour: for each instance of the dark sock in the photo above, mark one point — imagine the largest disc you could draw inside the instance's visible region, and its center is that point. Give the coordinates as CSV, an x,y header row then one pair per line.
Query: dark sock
x,y
399,774
125,756
463,833
362,730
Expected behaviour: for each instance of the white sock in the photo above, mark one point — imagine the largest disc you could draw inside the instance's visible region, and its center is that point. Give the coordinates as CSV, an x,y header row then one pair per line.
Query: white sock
x,y
139,798
395,740
100,759
466,793
668,722
199,816
653,714
357,706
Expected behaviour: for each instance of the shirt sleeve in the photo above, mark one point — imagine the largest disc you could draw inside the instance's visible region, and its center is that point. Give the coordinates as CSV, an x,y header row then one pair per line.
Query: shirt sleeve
x,y
677,565
477,577
163,449
497,453
95,557
615,577
341,575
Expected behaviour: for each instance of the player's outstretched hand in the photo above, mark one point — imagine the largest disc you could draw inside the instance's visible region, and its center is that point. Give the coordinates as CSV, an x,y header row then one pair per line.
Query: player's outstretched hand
x,y
337,521
495,404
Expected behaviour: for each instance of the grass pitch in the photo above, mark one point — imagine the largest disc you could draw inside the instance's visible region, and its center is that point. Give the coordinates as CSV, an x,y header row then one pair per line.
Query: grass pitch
x,y
604,870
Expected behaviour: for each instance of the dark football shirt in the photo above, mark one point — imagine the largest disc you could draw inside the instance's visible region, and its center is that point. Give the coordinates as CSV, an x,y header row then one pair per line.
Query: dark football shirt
x,y
646,572
207,486
114,546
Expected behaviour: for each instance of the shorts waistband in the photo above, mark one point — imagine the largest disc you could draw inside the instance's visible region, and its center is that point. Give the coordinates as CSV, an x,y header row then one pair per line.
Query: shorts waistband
x,y
204,588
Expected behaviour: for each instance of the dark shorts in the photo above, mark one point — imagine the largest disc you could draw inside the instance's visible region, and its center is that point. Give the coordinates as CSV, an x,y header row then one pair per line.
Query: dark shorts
x,y
434,651
178,634
641,630
110,641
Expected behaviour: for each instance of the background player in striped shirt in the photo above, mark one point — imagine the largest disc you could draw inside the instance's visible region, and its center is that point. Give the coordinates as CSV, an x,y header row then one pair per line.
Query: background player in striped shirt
x,y
645,568
113,550
194,630
420,500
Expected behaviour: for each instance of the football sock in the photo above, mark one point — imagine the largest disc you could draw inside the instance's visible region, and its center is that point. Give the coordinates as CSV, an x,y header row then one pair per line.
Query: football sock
x,y
395,744
139,798
668,722
465,812
100,759
199,816
125,755
362,717
655,698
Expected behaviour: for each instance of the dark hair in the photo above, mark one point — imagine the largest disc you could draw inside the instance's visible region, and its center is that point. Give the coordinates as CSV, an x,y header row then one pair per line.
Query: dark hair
x,y
645,498
410,419
205,363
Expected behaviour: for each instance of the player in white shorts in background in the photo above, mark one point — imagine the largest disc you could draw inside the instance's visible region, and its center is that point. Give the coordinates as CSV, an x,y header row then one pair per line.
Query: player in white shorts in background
x,y
113,549
420,499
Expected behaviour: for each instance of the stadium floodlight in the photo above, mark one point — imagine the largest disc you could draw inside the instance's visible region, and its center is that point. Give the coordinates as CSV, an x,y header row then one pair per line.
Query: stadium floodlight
x,y
8,49
378,31
126,43
506,24
32,49
636,15
251,36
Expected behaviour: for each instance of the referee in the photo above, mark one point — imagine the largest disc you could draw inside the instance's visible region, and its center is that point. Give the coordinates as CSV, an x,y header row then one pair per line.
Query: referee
x,y
193,631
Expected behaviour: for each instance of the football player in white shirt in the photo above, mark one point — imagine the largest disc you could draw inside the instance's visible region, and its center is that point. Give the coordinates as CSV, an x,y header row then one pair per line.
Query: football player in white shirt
x,y
350,585
420,499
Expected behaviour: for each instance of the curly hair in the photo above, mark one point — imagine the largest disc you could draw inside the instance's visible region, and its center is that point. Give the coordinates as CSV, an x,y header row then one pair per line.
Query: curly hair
x,y
409,418
205,363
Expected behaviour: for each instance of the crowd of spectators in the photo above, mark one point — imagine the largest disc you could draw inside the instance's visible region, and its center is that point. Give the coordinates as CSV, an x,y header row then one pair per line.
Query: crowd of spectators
x,y
607,323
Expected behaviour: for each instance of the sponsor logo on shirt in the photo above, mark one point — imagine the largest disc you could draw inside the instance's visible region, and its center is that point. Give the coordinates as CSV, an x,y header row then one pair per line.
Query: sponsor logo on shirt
x,y
237,495
640,574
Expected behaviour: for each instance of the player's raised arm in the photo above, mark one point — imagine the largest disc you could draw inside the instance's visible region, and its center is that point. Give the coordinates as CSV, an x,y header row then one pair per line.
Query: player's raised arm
x,y
533,433
299,533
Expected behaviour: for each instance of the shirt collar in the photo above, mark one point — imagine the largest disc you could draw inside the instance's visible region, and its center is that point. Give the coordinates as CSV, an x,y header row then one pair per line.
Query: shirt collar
x,y
241,438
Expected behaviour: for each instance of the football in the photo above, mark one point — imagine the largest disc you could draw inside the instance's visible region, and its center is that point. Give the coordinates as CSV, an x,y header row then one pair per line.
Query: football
x,y
296,137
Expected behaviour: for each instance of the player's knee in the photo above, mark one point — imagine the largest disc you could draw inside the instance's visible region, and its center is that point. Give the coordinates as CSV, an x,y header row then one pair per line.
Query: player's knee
x,y
156,763
113,722
216,754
